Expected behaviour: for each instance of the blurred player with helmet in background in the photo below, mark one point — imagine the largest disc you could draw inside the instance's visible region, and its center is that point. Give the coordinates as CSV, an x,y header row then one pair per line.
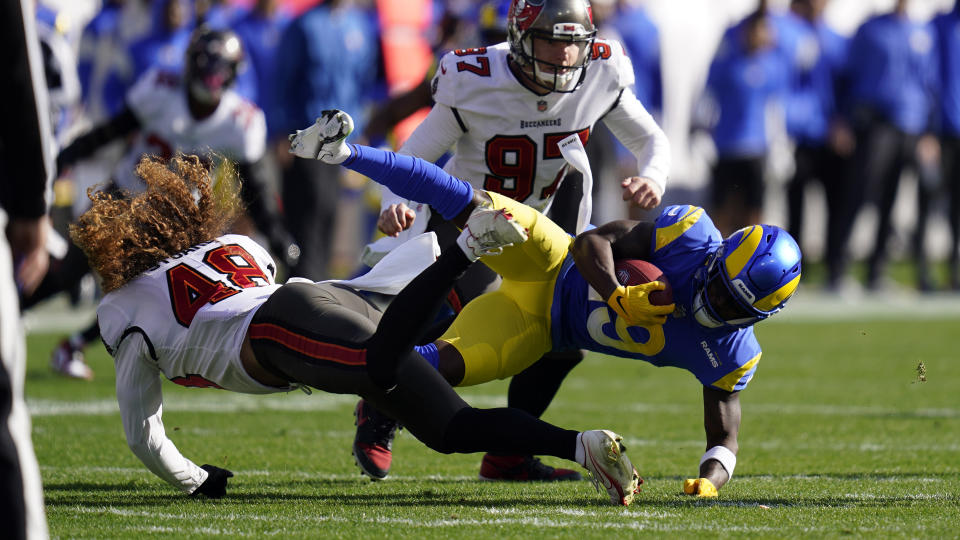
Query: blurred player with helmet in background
x,y
167,112
561,293
503,109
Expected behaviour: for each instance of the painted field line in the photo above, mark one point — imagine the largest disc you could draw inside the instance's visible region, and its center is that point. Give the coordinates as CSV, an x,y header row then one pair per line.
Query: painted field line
x,y
859,446
543,522
636,523
285,473
215,402
793,409
578,512
307,475
224,402
810,305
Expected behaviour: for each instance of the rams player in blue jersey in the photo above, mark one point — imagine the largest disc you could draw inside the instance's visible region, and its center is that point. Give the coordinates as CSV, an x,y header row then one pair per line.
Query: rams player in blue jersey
x,y
560,292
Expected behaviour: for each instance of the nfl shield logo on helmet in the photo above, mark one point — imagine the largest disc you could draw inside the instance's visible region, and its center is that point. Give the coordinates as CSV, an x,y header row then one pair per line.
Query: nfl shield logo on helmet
x,y
542,105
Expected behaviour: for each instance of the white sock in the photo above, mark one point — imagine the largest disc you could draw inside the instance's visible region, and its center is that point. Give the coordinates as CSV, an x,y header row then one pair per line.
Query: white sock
x,y
579,454
343,152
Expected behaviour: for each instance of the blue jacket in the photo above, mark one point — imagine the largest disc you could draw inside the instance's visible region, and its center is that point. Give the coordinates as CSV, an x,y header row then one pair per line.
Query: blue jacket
x,y
812,100
641,38
892,71
947,28
743,85
261,39
326,60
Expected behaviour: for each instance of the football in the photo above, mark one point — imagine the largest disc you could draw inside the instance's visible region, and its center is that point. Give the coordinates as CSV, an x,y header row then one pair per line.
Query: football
x,y
636,272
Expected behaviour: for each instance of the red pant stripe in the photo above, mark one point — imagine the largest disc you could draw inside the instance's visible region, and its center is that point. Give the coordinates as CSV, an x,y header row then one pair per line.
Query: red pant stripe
x,y
308,346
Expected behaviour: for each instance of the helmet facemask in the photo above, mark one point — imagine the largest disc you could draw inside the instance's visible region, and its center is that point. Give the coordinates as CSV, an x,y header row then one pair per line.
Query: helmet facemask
x,y
715,304
212,64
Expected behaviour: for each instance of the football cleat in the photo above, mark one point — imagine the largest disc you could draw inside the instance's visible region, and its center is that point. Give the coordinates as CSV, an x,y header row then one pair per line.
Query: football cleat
x,y
488,231
522,469
325,139
68,360
373,443
609,466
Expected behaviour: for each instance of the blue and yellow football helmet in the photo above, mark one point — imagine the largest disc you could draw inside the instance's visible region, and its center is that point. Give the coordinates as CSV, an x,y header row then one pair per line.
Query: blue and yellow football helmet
x,y
748,278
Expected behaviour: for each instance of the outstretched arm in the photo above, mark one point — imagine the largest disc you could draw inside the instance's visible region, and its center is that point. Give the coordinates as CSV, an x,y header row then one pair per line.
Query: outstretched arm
x,y
141,408
124,123
721,420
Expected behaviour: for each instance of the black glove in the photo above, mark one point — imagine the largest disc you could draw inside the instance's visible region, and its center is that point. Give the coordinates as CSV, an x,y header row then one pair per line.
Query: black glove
x,y
215,486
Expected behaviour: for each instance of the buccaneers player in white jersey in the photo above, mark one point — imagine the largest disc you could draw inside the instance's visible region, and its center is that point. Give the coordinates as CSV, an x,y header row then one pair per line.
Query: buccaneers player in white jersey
x,y
186,303
504,109
198,112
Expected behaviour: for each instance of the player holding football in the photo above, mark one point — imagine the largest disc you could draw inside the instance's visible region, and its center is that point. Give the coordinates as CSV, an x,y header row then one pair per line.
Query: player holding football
x,y
503,109
562,293
203,310
195,112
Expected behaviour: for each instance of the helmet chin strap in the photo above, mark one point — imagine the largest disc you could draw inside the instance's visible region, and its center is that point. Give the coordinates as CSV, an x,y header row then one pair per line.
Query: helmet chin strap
x,y
555,81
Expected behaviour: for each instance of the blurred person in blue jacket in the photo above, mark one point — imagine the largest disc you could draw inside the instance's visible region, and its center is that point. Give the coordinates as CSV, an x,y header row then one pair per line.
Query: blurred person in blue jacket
x,y
260,30
166,43
105,70
823,142
328,58
747,76
218,14
162,44
641,37
98,45
947,28
892,77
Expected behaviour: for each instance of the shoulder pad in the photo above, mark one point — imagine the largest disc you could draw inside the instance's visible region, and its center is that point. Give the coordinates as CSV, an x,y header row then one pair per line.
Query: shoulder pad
x,y
611,55
676,222
466,70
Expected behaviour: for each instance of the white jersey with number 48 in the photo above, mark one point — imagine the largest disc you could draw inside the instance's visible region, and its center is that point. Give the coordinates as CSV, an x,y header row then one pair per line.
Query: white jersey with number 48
x,y
185,320
211,291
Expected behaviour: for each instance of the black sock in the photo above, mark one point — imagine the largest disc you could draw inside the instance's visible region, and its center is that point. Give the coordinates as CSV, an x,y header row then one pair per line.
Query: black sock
x,y
533,389
411,314
507,431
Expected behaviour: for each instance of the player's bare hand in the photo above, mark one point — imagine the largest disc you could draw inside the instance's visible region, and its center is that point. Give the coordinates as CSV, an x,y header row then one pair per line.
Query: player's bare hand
x,y
642,192
395,219
28,239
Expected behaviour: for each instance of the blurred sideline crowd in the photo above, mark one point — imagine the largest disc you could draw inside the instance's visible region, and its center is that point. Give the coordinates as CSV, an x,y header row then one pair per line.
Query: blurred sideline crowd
x,y
859,111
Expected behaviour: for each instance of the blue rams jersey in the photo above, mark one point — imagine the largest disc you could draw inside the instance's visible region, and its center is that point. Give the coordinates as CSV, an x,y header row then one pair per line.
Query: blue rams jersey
x,y
719,357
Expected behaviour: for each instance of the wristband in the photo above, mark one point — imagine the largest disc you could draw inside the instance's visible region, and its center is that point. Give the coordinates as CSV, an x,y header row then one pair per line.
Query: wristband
x,y
722,454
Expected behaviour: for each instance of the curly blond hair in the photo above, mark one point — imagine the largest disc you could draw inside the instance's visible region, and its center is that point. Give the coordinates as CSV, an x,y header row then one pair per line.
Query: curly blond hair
x,y
123,235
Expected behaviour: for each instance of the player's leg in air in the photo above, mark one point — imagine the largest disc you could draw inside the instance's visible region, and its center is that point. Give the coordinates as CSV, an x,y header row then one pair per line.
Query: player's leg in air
x,y
535,264
329,341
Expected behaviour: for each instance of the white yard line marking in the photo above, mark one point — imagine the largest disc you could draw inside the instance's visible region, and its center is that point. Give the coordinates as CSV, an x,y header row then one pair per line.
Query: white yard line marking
x,y
635,522
223,402
809,306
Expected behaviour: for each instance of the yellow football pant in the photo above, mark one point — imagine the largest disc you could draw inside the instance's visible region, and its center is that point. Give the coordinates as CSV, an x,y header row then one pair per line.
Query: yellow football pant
x,y
501,333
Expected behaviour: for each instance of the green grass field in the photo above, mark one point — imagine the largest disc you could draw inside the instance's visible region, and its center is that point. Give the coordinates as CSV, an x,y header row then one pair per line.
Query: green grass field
x,y
840,437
